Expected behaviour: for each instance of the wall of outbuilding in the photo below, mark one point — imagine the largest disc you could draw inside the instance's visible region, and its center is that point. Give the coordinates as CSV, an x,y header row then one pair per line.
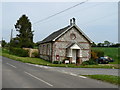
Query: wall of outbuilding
x,y
45,50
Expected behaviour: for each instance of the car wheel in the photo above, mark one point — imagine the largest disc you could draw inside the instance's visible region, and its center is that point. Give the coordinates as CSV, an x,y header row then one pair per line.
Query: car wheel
x,y
100,62
107,62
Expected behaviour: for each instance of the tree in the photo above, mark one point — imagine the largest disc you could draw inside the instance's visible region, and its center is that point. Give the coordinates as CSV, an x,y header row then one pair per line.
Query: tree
x,y
93,44
106,43
24,27
4,43
36,45
15,42
115,45
99,44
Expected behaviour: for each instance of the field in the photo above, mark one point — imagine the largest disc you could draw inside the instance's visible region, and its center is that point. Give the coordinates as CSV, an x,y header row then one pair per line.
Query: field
x,y
109,51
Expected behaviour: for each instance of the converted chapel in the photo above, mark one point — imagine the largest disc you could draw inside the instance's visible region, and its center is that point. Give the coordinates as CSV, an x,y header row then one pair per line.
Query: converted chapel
x,y
69,43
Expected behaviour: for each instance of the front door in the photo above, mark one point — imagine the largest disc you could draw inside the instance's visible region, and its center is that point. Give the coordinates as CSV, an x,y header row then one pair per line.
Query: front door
x,y
74,55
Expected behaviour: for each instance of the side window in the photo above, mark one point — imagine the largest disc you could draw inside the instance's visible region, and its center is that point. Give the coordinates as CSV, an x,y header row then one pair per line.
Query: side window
x,y
47,49
42,49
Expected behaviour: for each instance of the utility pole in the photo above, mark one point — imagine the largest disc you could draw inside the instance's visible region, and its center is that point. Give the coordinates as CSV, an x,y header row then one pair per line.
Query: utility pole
x,y
11,36
2,42
2,38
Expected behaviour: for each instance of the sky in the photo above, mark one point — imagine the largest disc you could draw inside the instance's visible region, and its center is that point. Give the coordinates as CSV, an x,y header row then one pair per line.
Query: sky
x,y
98,20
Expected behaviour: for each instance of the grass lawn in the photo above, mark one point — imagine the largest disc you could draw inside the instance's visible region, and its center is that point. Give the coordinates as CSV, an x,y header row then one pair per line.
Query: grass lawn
x,y
107,78
0,51
109,51
39,61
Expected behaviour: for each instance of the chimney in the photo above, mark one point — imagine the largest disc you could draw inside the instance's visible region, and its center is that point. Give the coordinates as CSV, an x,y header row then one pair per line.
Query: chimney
x,y
73,20
70,21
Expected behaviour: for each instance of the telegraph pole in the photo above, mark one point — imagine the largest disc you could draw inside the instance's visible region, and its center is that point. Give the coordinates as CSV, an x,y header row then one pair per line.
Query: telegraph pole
x,y
11,36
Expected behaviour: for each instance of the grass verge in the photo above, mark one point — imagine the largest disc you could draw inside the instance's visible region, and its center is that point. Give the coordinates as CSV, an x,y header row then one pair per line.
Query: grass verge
x,y
107,78
0,51
39,61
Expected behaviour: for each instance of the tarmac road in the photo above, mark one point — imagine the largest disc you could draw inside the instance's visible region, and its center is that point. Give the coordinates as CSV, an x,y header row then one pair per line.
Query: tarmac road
x,y
16,74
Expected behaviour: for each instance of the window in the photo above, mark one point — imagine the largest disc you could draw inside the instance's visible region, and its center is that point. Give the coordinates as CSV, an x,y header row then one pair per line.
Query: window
x,y
72,36
43,49
48,49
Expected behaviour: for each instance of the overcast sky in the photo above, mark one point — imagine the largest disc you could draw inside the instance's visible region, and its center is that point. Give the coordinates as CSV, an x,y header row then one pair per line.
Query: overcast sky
x,y
98,20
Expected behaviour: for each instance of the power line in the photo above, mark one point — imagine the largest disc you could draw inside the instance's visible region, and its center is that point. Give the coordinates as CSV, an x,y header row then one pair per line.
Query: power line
x,y
60,12
75,12
99,19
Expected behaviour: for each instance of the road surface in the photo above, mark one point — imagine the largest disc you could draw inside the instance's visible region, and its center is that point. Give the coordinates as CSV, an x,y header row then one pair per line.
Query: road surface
x,y
88,71
21,75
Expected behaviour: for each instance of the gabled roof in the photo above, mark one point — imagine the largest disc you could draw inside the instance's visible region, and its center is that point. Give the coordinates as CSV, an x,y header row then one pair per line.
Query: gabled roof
x,y
52,36
55,35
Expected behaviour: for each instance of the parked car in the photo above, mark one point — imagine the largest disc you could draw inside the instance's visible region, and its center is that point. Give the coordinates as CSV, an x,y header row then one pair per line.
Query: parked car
x,y
102,60
109,58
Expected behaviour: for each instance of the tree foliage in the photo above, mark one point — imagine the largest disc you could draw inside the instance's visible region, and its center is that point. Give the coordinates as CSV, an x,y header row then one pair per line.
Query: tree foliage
x,y
106,43
96,53
15,42
3,44
25,36
93,44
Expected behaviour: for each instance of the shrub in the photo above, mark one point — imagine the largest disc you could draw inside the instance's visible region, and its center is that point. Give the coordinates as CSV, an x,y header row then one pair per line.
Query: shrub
x,y
90,62
57,62
35,54
100,53
85,63
96,53
19,52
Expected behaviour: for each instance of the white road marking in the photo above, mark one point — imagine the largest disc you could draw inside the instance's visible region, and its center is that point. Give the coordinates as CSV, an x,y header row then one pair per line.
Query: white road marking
x,y
41,66
63,71
73,74
69,73
11,65
39,79
82,76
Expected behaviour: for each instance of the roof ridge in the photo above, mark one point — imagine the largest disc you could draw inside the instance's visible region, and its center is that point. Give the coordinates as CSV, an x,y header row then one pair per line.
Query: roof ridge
x,y
54,34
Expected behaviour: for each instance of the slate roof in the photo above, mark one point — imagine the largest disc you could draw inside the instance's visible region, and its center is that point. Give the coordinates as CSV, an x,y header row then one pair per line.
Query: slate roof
x,y
54,35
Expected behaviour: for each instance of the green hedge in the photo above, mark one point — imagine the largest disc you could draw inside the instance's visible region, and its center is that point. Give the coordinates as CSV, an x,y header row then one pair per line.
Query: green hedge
x,y
57,62
35,54
19,52
90,62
